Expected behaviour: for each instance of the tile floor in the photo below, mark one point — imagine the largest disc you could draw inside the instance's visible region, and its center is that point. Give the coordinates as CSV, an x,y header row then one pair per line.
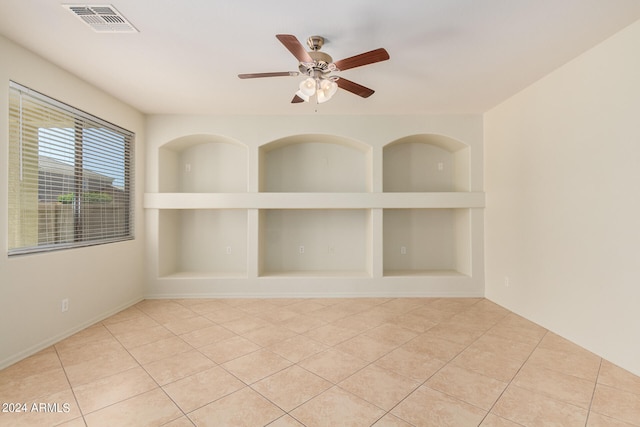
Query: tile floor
x,y
318,362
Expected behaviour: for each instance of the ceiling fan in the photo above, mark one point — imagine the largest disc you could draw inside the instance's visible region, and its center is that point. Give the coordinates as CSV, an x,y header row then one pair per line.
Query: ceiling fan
x,y
318,67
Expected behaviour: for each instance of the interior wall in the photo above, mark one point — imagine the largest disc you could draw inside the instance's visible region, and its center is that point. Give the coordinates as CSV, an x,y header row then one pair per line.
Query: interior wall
x,y
562,224
361,141
98,280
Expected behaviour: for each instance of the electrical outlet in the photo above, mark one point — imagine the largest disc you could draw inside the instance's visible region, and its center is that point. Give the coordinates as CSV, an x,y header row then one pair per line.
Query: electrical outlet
x,y
187,167
65,305
301,249
331,249
440,166
403,250
228,250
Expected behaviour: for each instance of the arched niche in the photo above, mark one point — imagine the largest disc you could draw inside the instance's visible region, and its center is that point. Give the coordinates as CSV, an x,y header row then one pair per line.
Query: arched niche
x,y
203,163
426,163
315,163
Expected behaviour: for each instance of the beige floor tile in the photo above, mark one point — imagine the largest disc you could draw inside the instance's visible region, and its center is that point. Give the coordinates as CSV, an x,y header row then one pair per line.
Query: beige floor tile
x,y
183,326
115,388
336,407
71,355
618,404
432,314
379,386
204,306
504,348
410,364
377,315
305,306
428,407
126,314
198,390
533,409
495,421
100,367
76,422
229,349
269,335
32,387
302,323
40,362
413,322
391,334
468,386
557,385
244,408
458,332
358,323
180,422
431,345
330,334
178,366
583,365
555,342
311,356
167,311
159,350
285,421
256,366
152,408
276,314
333,365
598,420
404,305
619,378
97,332
138,337
291,387
516,328
242,325
391,421
297,348
488,364
225,315
453,305
365,348
209,335
134,324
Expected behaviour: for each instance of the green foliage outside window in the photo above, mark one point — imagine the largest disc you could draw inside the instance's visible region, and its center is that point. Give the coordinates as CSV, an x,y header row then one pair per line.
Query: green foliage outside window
x,y
89,197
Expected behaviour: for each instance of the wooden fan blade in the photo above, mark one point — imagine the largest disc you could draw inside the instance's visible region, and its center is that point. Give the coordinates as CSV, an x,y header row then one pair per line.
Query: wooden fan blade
x,y
354,88
274,74
366,58
295,47
296,100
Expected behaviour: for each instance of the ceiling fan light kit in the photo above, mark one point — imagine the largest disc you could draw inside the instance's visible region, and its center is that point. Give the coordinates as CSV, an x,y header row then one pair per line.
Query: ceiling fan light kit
x,y
318,67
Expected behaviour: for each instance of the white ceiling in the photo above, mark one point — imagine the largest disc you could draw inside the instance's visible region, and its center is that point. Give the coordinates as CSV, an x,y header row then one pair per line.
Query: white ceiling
x,y
447,56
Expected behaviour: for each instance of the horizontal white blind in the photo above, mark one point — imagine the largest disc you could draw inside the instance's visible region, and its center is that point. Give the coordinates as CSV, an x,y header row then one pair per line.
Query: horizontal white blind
x,y
70,176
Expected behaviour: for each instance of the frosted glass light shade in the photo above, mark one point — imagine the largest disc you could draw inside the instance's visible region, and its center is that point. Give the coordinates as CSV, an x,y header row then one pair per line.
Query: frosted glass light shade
x,y
308,87
326,90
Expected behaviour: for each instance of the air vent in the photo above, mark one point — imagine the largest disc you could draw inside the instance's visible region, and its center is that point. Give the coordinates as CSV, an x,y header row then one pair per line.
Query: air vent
x,y
102,18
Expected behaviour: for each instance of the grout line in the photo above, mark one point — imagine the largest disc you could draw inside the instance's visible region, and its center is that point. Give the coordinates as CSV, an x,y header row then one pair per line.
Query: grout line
x,y
514,376
70,386
593,394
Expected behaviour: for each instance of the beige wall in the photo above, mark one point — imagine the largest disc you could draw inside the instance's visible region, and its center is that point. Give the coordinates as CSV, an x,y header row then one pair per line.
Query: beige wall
x,y
562,167
98,280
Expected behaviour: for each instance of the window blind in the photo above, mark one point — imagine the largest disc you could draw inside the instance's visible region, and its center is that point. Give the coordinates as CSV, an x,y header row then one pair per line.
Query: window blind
x,y
70,176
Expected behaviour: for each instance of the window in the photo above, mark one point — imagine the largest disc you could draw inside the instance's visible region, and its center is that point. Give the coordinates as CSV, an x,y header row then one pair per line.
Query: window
x,y
70,176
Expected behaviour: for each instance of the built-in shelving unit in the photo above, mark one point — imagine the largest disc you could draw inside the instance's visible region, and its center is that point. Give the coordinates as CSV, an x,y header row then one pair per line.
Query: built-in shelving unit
x,y
314,207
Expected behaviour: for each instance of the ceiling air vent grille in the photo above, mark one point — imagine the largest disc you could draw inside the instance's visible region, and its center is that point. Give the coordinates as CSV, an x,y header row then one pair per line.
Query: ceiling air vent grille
x,y
102,18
